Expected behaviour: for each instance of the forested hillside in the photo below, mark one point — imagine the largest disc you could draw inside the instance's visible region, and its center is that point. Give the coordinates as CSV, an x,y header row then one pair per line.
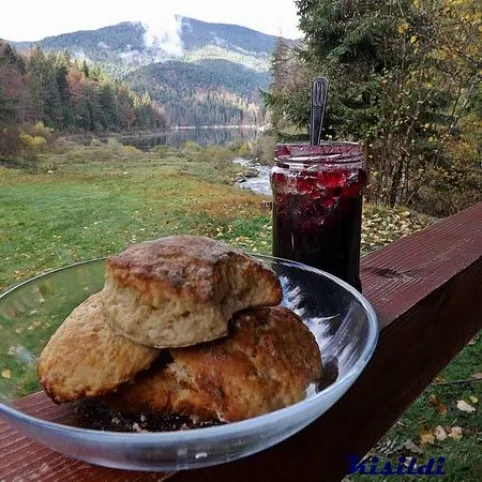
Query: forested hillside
x,y
66,94
208,92
213,76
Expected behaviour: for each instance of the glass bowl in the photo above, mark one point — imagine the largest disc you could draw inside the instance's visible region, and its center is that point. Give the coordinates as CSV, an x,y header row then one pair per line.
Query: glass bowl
x,y
343,322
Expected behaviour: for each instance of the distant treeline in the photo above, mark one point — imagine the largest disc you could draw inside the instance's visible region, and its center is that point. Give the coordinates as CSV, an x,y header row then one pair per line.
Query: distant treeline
x,y
69,95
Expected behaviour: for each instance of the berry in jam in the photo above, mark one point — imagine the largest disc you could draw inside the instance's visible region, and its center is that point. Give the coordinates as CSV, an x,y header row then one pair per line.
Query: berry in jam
x,y
317,207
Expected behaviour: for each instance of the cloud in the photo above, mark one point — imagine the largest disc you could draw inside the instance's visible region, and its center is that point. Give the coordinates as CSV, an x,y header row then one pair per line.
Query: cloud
x,y
163,32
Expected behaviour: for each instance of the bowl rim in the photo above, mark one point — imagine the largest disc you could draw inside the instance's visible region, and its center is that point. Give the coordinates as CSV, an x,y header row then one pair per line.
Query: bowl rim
x,y
229,429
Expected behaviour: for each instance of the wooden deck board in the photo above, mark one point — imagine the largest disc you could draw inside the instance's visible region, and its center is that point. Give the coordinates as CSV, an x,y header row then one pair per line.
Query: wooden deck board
x,y
427,291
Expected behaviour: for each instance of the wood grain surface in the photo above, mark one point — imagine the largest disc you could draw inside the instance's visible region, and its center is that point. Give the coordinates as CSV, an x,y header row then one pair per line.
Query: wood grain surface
x,y
427,291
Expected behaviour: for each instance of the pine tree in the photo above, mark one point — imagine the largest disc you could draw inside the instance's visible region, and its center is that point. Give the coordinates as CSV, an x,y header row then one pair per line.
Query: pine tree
x,y
392,82
64,93
7,108
108,104
35,63
53,116
85,69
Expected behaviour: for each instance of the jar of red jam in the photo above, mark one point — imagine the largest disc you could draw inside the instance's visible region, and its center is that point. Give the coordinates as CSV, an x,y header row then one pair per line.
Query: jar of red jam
x,y
317,206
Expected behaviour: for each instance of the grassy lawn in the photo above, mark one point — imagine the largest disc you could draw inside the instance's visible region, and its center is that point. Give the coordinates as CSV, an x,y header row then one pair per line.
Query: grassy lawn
x,y
88,202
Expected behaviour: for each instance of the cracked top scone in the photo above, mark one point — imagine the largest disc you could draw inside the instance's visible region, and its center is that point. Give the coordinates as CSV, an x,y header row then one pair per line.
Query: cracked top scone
x,y
85,358
182,290
267,363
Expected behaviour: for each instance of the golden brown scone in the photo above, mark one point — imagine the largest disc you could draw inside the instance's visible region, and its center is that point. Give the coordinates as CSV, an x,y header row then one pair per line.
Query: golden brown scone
x,y
266,363
85,358
182,290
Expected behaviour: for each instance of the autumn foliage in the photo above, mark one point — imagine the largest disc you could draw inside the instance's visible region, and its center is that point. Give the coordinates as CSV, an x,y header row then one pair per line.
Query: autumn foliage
x,y
405,80
65,95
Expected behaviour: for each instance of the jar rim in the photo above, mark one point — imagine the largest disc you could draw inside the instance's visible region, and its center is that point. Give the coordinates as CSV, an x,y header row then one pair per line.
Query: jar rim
x,y
328,152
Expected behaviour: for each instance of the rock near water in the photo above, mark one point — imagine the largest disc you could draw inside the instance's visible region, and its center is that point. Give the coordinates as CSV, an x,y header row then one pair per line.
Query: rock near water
x,y
258,178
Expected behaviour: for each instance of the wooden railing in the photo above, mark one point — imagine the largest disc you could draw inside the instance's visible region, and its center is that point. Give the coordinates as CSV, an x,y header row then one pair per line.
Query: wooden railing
x,y
427,291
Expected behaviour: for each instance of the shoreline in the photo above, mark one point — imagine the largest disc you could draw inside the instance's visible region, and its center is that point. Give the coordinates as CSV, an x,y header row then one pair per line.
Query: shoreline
x,y
163,133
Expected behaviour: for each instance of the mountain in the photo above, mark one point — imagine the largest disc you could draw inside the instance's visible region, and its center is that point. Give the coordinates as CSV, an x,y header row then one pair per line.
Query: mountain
x,y
126,46
200,72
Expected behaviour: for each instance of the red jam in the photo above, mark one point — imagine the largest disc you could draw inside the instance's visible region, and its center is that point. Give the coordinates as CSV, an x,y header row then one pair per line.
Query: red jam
x,y
317,207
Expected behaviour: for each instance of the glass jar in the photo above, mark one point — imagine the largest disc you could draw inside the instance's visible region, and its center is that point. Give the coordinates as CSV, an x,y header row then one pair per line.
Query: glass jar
x,y
317,206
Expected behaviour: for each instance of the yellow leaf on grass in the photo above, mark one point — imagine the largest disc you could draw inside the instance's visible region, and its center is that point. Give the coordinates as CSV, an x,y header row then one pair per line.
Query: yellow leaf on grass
x,y
413,39
7,373
473,399
426,437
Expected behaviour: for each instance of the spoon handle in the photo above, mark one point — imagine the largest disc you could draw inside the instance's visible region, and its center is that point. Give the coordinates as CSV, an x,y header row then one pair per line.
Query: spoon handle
x,y
319,97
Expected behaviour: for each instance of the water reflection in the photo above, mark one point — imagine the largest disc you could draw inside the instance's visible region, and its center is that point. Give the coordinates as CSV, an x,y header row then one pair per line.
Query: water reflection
x,y
202,136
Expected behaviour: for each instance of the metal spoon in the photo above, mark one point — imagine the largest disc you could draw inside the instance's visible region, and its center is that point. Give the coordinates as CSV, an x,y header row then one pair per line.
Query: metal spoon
x,y
319,97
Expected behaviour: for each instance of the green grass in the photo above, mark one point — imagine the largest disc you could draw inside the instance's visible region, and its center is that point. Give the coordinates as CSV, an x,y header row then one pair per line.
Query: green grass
x,y
91,201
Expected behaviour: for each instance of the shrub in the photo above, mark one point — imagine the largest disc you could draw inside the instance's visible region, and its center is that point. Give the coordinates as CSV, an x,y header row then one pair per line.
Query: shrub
x,y
219,156
113,142
96,142
42,131
62,145
131,150
192,146
244,151
10,144
163,151
235,145
264,149
32,143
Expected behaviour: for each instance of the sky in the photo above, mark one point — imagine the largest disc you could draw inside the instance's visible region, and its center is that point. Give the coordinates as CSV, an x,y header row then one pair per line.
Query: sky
x,y
35,19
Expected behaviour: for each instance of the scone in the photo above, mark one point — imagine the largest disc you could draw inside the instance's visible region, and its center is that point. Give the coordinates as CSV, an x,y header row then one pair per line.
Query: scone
x,y
267,363
85,358
182,290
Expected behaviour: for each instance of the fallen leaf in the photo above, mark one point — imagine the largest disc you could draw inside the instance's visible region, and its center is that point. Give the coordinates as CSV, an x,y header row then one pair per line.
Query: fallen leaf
x,y
440,433
19,330
426,437
435,402
410,446
441,409
455,433
465,407
7,373
473,399
477,376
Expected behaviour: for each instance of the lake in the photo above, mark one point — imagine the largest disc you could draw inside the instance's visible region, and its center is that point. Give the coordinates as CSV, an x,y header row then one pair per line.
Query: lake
x,y
203,136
